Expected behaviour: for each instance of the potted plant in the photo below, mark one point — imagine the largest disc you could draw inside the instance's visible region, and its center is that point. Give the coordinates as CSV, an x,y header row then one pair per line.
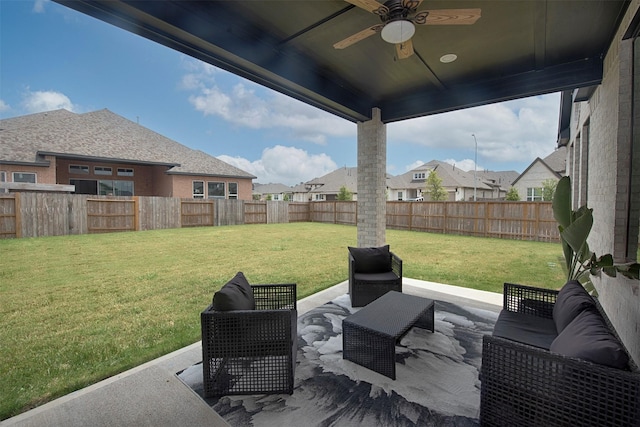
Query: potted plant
x,y
574,227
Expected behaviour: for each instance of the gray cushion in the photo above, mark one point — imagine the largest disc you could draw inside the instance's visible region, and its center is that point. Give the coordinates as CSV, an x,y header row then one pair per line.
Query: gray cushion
x,y
572,299
588,337
388,276
236,294
371,260
525,328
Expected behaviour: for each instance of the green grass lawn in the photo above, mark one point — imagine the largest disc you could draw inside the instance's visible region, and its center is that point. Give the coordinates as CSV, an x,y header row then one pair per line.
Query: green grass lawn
x,y
78,309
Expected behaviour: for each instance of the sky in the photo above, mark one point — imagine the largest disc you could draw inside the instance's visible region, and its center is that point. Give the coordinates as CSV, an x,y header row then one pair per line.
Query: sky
x,y
53,57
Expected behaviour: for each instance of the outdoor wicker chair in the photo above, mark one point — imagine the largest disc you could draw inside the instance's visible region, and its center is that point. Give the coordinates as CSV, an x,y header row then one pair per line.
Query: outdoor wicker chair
x,y
251,351
372,273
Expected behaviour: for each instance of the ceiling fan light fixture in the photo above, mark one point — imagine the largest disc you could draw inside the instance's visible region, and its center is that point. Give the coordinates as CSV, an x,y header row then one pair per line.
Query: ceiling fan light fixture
x,y
398,31
449,57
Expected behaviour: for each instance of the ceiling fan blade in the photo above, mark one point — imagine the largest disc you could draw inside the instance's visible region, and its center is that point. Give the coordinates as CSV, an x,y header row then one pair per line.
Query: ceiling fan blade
x,y
371,6
355,38
404,50
448,17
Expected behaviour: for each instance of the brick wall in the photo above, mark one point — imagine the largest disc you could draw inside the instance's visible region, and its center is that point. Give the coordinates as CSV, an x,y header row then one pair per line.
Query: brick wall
x,y
183,185
608,138
372,165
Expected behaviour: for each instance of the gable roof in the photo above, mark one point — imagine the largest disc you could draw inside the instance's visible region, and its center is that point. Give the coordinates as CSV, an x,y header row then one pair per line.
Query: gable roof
x,y
333,181
556,162
102,135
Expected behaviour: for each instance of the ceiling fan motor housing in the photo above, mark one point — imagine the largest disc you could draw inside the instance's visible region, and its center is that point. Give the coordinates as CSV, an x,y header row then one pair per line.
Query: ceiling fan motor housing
x,y
395,10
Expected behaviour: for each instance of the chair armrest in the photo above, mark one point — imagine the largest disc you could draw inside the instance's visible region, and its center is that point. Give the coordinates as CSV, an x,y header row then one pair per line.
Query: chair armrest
x,y
275,296
529,300
352,267
525,385
396,264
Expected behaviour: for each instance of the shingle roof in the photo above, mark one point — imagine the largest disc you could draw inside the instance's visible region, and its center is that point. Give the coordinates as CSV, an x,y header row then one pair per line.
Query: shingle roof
x,y
557,160
103,135
450,175
333,181
271,188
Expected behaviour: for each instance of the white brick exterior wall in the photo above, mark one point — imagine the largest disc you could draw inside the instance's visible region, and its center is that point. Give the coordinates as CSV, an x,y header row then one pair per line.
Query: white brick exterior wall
x,y
372,173
603,145
533,178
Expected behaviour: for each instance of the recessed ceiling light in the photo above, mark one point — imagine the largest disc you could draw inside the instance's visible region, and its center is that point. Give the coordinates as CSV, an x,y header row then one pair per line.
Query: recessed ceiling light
x,y
449,57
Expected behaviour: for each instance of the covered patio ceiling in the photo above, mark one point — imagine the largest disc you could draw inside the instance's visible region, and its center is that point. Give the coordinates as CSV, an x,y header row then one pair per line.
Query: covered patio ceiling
x,y
514,49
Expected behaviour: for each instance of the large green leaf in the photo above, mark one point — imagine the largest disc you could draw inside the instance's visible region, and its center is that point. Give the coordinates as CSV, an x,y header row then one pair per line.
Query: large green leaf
x,y
576,233
631,271
562,202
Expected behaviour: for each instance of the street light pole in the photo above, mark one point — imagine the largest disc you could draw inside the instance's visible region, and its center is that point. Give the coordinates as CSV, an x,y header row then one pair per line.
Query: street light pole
x,y
475,169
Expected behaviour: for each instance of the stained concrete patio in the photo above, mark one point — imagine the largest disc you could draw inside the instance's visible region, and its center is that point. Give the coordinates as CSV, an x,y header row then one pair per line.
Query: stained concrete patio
x,y
152,395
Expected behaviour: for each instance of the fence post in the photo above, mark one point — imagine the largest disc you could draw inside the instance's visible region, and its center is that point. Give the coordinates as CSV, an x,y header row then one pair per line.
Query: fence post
x,y
445,228
486,218
17,206
537,222
136,214
411,216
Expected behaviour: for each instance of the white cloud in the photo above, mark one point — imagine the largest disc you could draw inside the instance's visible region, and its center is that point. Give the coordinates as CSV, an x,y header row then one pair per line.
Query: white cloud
x,y
509,131
414,165
464,164
39,101
38,5
285,165
4,106
248,105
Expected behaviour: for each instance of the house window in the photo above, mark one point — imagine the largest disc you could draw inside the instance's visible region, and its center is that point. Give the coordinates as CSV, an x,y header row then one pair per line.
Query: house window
x,y
232,188
125,172
3,178
102,170
24,177
215,190
115,188
79,169
419,175
85,186
534,194
276,197
399,195
318,197
198,189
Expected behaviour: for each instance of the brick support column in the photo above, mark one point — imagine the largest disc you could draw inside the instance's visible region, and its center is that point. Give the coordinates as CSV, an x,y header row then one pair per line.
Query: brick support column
x,y
372,173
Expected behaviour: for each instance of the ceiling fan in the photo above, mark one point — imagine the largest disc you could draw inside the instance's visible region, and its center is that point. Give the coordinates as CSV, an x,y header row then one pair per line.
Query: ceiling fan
x,y
399,18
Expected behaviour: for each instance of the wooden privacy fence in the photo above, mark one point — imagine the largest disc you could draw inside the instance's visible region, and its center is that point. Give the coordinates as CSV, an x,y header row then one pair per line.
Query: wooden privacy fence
x,y
504,220
31,214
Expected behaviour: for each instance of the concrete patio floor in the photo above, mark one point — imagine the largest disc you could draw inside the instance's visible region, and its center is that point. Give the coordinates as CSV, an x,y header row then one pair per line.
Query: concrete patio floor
x,y
152,395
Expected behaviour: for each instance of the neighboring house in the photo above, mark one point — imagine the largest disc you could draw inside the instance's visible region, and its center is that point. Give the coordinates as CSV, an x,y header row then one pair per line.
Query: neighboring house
x,y
499,181
327,187
272,192
530,182
105,154
458,184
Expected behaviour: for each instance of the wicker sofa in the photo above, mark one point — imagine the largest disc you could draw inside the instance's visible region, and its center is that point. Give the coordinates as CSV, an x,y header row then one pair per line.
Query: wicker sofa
x,y
554,360
249,339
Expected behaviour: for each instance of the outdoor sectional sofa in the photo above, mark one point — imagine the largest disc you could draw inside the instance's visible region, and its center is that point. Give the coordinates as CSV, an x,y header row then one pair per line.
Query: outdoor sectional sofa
x,y
555,360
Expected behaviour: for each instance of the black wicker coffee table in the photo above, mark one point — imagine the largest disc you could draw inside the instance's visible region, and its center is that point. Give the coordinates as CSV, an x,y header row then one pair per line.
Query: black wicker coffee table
x,y
369,336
